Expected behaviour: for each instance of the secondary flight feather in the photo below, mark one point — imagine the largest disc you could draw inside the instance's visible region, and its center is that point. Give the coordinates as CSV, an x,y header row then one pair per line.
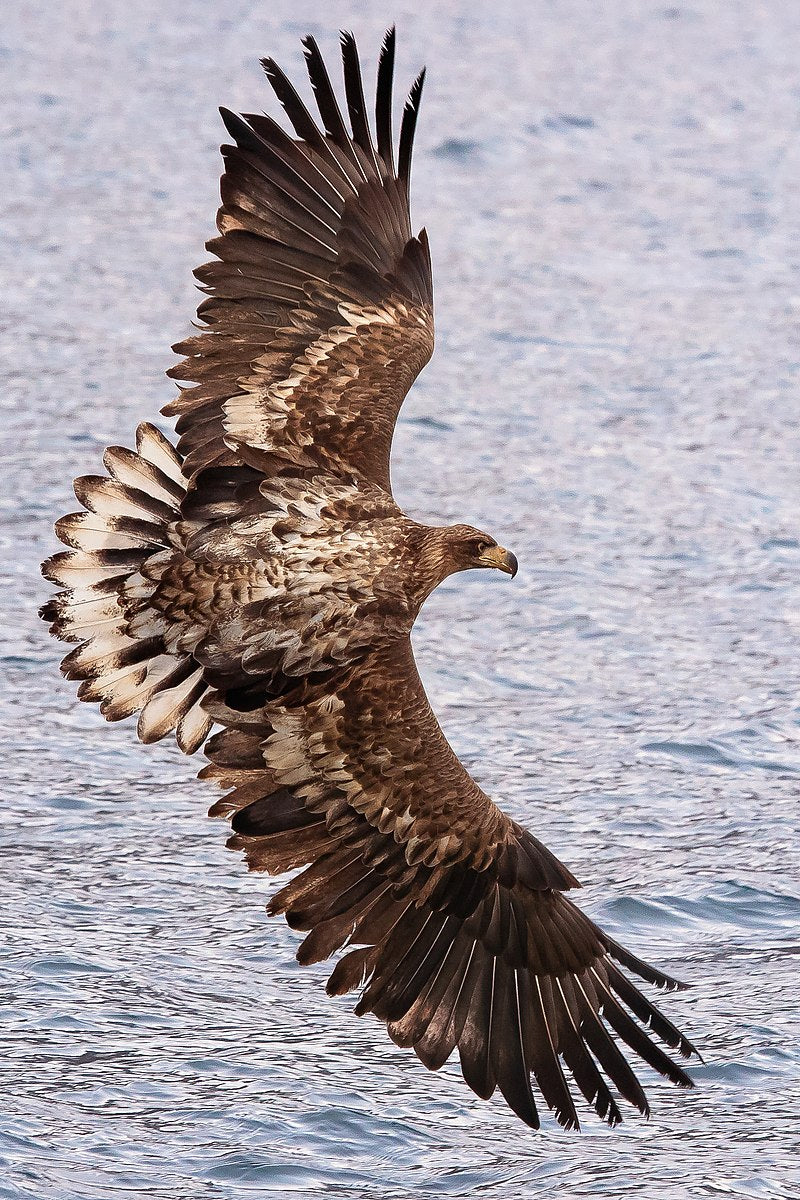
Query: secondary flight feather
x,y
260,577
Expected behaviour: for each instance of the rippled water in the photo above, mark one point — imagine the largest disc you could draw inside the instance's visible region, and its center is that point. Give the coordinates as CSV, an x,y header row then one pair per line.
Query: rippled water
x,y
612,202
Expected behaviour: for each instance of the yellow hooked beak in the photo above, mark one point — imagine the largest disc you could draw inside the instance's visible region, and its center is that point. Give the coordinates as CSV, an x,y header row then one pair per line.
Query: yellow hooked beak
x,y
498,556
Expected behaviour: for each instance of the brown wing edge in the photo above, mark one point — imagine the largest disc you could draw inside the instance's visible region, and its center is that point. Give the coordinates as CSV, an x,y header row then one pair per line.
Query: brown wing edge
x,y
495,962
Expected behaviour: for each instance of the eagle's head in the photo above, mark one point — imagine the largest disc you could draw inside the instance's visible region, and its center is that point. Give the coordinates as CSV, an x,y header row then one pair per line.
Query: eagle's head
x,y
440,551
466,548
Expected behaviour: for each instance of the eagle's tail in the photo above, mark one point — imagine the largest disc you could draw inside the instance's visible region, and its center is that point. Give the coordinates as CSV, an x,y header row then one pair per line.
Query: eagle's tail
x,y
120,547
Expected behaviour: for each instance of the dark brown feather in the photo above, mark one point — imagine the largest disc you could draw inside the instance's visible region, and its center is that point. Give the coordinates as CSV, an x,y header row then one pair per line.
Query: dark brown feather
x,y
296,214
383,101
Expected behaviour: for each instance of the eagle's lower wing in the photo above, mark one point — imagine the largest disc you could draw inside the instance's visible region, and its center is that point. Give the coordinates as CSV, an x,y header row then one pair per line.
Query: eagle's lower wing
x,y
459,930
319,315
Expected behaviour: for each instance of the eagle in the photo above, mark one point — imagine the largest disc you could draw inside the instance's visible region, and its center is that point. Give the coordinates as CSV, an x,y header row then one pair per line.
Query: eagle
x,y
253,589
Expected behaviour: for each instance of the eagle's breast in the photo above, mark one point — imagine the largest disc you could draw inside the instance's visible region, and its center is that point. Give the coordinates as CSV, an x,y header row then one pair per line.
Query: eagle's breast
x,y
324,571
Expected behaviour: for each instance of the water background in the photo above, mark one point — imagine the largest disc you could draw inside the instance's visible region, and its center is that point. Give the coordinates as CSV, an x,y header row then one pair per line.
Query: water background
x,y
612,197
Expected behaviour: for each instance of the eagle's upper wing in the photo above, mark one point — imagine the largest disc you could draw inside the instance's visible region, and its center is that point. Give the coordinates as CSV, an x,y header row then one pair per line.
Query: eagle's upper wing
x,y
456,917
319,315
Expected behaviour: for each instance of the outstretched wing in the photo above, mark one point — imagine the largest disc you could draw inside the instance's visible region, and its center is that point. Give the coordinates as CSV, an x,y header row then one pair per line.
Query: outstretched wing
x,y
319,315
454,916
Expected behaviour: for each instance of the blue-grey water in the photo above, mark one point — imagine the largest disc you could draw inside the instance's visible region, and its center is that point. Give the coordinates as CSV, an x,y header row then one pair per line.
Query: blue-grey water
x,y
612,197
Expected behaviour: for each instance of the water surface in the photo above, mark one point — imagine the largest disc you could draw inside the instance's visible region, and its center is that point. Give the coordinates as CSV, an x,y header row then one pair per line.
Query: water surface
x,y
612,204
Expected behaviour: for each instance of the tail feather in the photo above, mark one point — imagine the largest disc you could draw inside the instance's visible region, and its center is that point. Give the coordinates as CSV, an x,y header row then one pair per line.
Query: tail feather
x,y
91,573
90,531
77,620
109,498
119,547
137,471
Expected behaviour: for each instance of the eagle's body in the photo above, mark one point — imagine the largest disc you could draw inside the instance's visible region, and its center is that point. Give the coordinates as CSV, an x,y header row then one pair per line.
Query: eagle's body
x,y
262,577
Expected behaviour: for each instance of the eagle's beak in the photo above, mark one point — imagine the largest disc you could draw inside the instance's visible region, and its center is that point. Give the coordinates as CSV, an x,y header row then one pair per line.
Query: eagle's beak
x,y
501,558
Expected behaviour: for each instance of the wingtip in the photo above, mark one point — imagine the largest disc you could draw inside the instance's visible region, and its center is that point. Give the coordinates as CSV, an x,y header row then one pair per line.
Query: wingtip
x,y
274,72
408,127
271,69
415,92
687,1049
310,47
568,1120
236,127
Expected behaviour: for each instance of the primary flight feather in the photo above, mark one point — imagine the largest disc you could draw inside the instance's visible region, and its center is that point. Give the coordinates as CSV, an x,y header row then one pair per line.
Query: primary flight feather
x,y
262,578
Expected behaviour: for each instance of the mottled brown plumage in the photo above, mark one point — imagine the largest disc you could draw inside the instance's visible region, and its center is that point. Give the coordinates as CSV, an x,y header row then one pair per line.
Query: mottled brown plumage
x,y
262,577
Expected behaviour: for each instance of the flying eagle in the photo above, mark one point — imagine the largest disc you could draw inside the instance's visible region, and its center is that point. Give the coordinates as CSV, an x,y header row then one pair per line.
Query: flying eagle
x,y
261,577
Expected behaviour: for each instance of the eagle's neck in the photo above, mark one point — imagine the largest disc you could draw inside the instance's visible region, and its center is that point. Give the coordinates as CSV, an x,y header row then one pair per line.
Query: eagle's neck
x,y
432,558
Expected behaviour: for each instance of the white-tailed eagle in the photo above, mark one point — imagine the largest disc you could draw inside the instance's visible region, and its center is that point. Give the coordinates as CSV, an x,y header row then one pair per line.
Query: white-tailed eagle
x,y
261,577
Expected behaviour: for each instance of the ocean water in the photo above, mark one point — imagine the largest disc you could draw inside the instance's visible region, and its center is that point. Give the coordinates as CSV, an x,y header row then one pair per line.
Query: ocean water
x,y
611,195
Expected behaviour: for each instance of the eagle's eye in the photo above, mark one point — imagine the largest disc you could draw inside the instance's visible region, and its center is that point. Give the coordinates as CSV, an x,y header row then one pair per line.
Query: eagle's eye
x,y
481,545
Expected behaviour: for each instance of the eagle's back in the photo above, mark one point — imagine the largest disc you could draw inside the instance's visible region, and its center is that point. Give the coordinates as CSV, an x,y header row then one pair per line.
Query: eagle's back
x,y
256,593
